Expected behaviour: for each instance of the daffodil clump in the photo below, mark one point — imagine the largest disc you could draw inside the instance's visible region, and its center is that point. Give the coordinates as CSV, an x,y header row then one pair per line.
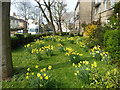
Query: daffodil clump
x,y
38,53
48,50
54,38
38,44
99,55
60,48
104,78
95,52
82,70
40,78
73,56
71,39
28,47
60,40
47,38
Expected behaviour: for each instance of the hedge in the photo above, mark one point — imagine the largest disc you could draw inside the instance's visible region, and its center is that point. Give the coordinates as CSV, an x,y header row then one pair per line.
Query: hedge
x,y
19,39
112,44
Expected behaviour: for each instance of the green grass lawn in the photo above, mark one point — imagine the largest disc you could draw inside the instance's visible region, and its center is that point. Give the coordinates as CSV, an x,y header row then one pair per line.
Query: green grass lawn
x,y
62,69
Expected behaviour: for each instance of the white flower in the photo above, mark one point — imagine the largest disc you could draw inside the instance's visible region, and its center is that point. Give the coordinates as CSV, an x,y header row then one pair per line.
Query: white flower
x,y
97,51
114,23
117,14
105,55
90,53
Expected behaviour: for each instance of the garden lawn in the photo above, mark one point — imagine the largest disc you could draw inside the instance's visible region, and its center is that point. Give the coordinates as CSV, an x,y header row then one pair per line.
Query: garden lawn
x,y
62,69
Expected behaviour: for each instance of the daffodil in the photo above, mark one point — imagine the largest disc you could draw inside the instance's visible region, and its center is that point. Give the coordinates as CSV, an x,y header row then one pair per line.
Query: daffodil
x,y
41,70
77,71
27,77
75,74
87,69
46,77
95,64
44,69
74,57
49,67
38,75
73,64
41,85
41,77
27,73
32,73
28,69
36,66
44,74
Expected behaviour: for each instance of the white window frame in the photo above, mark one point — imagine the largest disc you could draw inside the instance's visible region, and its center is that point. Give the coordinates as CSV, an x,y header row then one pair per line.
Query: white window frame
x,y
99,9
112,3
95,11
105,4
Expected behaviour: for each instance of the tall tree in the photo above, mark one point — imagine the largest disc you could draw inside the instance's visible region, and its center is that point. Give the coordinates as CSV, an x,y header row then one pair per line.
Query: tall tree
x,y
67,19
48,4
58,12
24,10
7,67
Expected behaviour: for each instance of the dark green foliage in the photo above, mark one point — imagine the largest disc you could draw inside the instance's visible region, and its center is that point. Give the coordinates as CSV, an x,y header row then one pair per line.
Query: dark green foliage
x,y
16,29
93,43
71,35
20,40
112,44
99,34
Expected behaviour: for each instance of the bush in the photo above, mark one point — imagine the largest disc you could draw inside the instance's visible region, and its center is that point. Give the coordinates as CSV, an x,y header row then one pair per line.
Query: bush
x,y
92,43
20,40
99,34
111,44
71,35
90,31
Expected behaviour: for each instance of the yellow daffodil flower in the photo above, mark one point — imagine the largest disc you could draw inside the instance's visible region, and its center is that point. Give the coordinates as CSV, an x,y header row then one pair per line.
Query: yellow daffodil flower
x,y
36,66
46,77
28,69
27,77
41,77
49,67
38,75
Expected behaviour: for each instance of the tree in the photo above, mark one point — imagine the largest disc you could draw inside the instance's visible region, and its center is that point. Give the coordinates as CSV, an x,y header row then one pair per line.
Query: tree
x,y
48,4
7,67
58,13
24,10
67,19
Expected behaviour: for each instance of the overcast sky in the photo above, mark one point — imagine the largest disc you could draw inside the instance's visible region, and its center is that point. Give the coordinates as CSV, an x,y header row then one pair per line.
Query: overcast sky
x,y
71,5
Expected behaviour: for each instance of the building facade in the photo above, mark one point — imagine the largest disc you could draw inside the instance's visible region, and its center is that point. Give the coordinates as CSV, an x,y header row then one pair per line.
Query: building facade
x,y
82,14
103,9
16,22
90,11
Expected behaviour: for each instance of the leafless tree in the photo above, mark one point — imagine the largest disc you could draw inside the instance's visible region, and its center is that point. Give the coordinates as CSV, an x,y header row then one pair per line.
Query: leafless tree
x,y
48,5
58,11
67,19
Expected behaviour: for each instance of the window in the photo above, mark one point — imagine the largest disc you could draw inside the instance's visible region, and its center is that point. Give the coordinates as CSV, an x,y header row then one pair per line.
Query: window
x,y
95,10
97,1
99,9
112,3
105,5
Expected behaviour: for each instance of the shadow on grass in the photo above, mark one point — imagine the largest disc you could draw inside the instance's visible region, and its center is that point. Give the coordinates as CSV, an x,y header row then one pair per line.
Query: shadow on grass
x,y
54,84
23,70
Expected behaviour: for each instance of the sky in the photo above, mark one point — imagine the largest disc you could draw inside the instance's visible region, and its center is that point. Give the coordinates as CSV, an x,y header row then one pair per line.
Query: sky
x,y
70,6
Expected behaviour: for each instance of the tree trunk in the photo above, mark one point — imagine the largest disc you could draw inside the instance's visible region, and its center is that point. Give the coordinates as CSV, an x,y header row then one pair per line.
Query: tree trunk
x,y
7,67
52,24
60,27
